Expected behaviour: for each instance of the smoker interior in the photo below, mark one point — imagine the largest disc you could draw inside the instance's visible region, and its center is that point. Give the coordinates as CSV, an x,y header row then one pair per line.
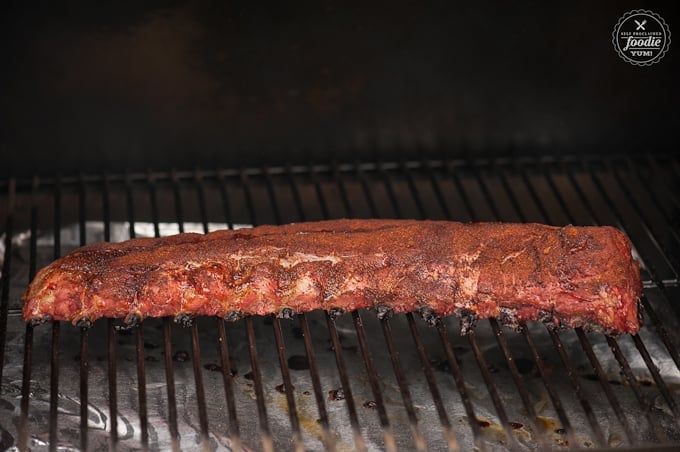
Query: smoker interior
x,y
354,382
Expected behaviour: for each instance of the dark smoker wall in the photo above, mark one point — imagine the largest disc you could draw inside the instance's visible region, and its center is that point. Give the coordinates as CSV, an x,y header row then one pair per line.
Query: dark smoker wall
x,y
132,85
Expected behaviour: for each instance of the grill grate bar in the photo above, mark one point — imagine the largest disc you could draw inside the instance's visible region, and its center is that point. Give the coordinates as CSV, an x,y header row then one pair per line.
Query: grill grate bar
x,y
170,383
438,192
449,436
195,346
634,385
425,364
387,433
319,193
130,206
167,345
668,254
498,405
26,388
179,211
344,168
408,175
33,242
660,383
543,212
111,332
288,386
454,366
230,172
200,390
226,205
153,199
327,438
267,441
106,208
390,443
661,331
113,393
645,186
141,386
453,175
390,192
228,381
265,433
557,342
585,343
498,332
344,381
290,400
54,360
668,191
670,347
573,377
54,386
227,377
84,367
604,382
418,439
202,209
248,195
297,198
519,383
500,174
648,308
139,334
558,195
28,341
626,226
557,403
4,291
82,211
272,194
367,191
57,218
491,387
469,208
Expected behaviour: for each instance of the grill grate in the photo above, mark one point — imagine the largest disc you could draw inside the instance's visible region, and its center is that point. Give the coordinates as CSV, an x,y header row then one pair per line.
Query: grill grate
x,y
415,388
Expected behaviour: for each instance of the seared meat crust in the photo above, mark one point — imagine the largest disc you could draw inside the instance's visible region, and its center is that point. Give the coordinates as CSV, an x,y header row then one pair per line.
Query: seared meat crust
x,y
567,276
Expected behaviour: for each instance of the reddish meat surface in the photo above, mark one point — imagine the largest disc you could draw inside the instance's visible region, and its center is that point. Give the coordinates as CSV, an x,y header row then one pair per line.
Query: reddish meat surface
x,y
568,276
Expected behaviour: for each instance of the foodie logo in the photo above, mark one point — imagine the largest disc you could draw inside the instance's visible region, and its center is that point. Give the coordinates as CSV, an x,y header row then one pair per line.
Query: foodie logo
x,y
641,37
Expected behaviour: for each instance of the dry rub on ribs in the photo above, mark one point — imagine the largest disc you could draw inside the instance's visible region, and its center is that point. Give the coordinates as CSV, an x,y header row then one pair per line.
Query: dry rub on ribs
x,y
566,276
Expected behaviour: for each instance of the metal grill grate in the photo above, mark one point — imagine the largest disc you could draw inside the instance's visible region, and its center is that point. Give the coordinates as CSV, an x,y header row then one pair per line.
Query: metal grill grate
x,y
213,384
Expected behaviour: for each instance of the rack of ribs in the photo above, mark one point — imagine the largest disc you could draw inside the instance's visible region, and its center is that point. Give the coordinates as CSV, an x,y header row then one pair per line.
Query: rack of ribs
x,y
567,276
